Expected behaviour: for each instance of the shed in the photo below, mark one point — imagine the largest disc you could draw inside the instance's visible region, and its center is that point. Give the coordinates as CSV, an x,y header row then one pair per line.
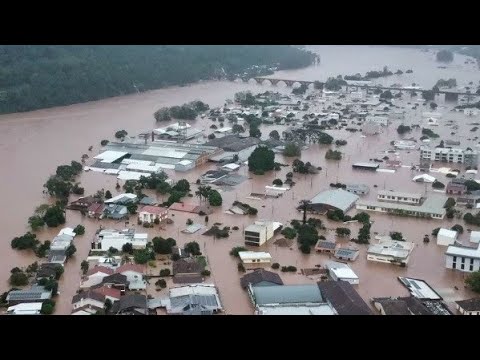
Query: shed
x,y
475,237
446,237
339,271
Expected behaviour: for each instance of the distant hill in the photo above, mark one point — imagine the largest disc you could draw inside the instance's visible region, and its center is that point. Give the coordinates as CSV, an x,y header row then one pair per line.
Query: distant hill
x,y
41,76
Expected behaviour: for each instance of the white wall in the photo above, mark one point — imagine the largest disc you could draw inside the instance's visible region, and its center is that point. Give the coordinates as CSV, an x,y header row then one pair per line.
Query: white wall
x,y
84,302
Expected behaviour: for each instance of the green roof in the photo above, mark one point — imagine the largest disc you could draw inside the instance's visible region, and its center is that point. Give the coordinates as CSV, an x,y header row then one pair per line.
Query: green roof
x,y
287,294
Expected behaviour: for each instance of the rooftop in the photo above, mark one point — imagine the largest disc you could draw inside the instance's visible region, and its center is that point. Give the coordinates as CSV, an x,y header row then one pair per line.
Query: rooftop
x,y
419,289
248,255
457,250
286,294
259,276
400,194
402,306
452,234
314,309
343,297
433,204
470,304
338,198
397,249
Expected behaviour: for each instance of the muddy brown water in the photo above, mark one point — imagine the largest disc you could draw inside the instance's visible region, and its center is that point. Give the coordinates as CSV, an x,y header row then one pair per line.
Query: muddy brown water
x,y
33,144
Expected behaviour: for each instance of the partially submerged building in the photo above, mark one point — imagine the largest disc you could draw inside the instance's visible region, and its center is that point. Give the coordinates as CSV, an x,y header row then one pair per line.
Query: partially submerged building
x,y
406,204
198,299
255,258
468,157
358,189
260,277
107,238
340,271
332,200
35,294
462,258
400,306
469,307
343,298
391,252
259,233
446,237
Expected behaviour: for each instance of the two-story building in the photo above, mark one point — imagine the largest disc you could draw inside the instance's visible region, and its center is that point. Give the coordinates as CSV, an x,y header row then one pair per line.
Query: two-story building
x,y
468,156
258,233
462,258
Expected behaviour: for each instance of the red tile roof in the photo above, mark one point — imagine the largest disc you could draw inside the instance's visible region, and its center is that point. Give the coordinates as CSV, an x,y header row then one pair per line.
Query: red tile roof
x,y
96,208
131,267
102,269
153,209
108,291
183,207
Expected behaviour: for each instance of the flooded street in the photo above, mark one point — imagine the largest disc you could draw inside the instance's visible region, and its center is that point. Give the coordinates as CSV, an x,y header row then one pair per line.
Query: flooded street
x,y
33,144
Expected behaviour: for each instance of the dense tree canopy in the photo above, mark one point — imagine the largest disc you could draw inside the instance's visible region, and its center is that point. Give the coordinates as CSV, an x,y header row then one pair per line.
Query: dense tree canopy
x,y
37,76
262,159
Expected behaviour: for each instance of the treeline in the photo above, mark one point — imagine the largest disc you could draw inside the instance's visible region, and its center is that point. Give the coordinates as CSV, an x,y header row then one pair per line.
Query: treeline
x,y
40,76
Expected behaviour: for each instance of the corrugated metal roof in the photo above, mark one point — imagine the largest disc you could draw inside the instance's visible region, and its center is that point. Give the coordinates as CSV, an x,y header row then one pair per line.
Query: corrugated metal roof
x,y
339,199
287,294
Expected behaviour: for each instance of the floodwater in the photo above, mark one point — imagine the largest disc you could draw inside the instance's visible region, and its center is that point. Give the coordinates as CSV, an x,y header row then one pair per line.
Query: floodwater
x,y
33,144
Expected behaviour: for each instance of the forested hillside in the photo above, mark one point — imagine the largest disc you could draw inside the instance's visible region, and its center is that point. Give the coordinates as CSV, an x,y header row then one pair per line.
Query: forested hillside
x,y
40,76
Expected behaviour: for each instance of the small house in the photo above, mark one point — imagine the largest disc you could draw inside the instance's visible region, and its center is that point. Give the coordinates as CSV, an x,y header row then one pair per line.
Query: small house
x,y
110,293
469,307
346,253
83,203
456,188
95,210
255,258
260,277
122,199
325,246
117,281
89,297
358,189
475,237
135,304
446,237
134,274
148,214
340,271
115,212
33,308
57,257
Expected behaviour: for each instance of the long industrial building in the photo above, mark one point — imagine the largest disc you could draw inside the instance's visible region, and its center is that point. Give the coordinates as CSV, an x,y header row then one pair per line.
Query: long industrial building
x,y
153,157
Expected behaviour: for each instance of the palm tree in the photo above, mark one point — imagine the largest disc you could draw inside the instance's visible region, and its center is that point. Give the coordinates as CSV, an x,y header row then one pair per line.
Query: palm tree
x,y
304,205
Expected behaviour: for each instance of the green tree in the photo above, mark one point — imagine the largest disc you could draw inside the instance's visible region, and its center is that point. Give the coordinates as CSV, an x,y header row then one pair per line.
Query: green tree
x,y
132,208
127,248
161,283
277,182
84,266
163,187
289,232
36,222
274,135
164,272
255,132
48,307
341,231
292,149
402,129
396,235
261,159
175,196
54,216
163,246
214,198
193,248
108,194
237,129
120,134
458,228
79,230
107,306
236,250
182,186
473,281
141,256
449,203
27,241
71,249
18,278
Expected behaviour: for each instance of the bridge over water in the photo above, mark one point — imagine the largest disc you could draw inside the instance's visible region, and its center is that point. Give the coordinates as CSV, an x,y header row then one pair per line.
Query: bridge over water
x,y
449,94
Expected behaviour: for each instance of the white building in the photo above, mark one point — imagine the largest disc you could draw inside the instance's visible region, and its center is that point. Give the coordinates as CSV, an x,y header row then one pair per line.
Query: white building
x,y
463,258
148,214
25,309
446,237
475,237
404,145
381,120
259,233
253,257
105,239
452,155
340,271
399,197
391,251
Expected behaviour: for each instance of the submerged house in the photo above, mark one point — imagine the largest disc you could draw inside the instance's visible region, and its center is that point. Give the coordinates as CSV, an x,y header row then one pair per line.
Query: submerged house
x,y
115,212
